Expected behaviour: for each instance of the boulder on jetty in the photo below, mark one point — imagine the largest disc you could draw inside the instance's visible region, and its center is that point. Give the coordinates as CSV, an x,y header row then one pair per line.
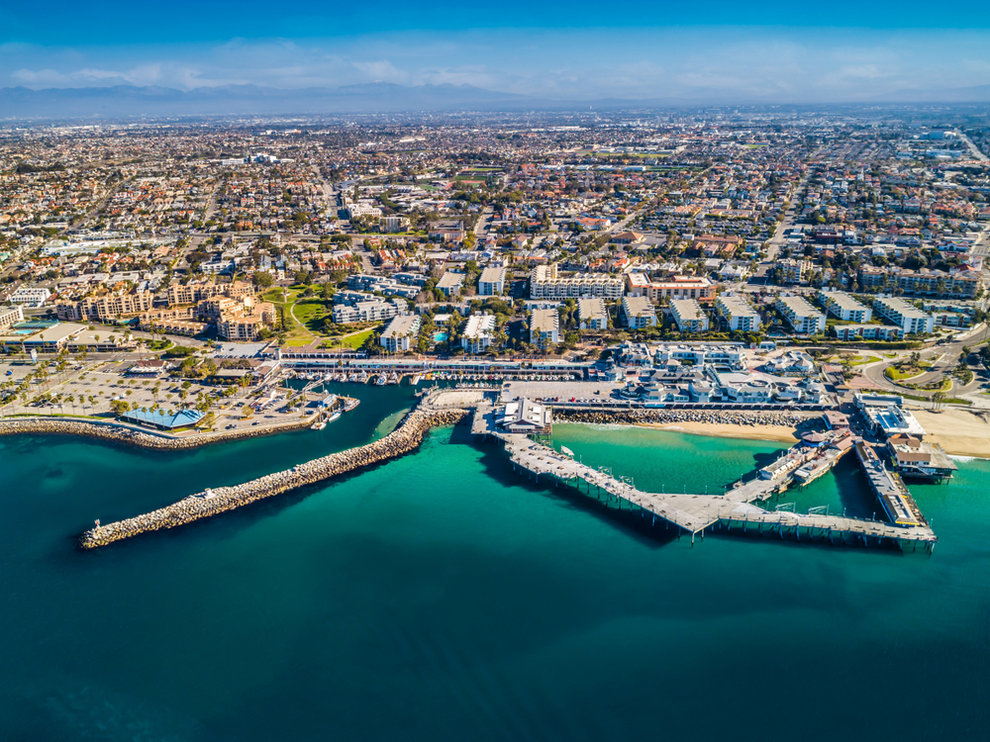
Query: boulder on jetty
x,y
406,437
664,416
110,430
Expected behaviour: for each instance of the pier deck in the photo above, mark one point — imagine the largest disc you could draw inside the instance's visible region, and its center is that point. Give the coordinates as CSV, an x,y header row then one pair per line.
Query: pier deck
x,y
695,513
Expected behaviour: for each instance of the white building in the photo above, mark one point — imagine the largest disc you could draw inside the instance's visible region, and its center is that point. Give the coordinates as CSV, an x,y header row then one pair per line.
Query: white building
x,y
544,283
373,310
592,314
491,282
401,333
30,296
738,313
908,317
637,312
479,333
450,283
803,318
544,328
844,307
688,315
10,316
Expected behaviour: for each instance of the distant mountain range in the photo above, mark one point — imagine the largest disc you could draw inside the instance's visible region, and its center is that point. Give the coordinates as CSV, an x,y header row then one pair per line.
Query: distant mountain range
x,y
128,100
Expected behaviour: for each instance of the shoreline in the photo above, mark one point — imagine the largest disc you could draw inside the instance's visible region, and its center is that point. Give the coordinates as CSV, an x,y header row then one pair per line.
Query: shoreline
x,y
757,432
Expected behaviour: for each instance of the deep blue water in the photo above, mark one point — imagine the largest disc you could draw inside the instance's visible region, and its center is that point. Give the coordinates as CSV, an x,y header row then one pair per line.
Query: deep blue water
x,y
440,597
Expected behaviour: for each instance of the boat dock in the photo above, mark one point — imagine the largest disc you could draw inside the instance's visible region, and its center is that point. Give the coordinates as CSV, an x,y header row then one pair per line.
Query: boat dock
x,y
694,514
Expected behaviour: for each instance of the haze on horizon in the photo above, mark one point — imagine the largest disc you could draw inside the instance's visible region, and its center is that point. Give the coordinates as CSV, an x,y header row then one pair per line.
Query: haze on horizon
x,y
719,52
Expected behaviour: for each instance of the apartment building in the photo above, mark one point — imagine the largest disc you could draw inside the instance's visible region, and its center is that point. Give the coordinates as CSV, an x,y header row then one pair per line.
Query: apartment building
x,y
793,271
106,307
401,333
30,296
738,313
959,284
803,318
592,314
908,317
688,315
544,328
844,307
478,334
372,310
638,313
450,283
545,283
699,288
10,316
243,320
491,282
868,332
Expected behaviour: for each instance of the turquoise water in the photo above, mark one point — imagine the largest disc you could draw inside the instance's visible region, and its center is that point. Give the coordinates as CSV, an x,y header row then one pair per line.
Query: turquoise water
x,y
440,597
439,337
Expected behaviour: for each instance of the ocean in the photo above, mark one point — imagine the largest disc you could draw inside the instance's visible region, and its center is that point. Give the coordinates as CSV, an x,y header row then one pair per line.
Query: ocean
x,y
444,597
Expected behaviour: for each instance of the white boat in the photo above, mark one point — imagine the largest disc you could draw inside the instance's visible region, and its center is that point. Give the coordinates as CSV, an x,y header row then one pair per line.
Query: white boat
x,y
334,415
380,381
318,425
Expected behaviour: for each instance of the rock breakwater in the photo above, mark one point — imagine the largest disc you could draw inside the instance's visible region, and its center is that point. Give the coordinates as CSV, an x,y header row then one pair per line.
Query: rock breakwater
x,y
664,416
112,431
406,437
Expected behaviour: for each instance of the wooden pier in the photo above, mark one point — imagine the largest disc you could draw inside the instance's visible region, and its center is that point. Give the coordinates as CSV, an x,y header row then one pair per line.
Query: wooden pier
x,y
693,514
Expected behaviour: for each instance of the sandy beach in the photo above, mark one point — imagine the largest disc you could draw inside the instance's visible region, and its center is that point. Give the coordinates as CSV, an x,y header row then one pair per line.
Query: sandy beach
x,y
780,433
958,431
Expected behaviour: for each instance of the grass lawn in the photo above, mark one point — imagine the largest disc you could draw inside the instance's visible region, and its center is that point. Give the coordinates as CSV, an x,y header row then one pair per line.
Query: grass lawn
x,y
895,374
863,360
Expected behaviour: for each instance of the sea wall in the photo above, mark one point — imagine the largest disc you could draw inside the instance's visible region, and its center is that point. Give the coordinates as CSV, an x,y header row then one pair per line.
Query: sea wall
x,y
406,437
112,431
663,416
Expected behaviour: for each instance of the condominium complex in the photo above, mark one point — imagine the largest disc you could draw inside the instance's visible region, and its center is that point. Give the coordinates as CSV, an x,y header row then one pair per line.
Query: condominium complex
x,y
544,328
401,333
106,307
738,313
450,283
793,271
638,313
10,316
479,333
868,332
803,318
908,317
844,307
699,288
491,282
544,283
592,314
688,315
372,310
962,283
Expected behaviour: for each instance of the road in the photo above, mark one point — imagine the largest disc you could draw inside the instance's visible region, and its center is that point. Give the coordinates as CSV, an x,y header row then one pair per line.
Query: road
x,y
977,153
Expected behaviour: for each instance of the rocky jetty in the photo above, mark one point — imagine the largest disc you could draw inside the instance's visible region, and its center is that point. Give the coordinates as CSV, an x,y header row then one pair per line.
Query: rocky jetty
x,y
118,433
406,437
664,416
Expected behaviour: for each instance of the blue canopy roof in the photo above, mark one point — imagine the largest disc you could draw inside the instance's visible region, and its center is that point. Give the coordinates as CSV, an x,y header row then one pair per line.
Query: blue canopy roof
x,y
162,419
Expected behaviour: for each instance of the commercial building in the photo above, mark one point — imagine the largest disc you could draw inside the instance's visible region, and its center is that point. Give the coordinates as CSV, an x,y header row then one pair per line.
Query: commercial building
x,y
688,315
478,334
844,307
401,333
638,313
803,318
908,317
544,283
491,282
738,313
524,416
592,314
544,328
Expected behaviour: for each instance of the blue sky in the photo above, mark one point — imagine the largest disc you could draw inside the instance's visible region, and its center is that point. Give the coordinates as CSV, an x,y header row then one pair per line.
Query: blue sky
x,y
719,50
